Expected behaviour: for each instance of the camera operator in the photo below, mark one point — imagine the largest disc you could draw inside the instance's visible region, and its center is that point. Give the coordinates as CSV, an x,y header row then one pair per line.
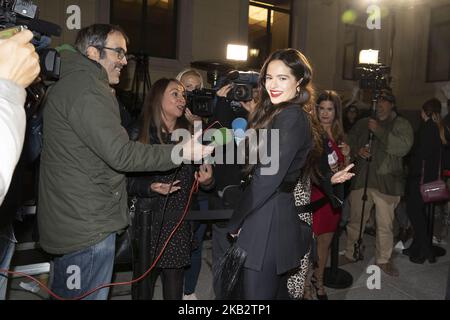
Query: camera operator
x,y
19,66
392,140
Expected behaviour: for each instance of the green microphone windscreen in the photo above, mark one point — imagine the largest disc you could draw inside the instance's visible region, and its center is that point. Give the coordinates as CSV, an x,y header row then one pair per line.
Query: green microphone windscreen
x,y
222,136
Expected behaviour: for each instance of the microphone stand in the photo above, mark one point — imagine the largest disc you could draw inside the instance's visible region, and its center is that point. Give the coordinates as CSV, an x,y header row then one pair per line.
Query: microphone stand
x,y
358,252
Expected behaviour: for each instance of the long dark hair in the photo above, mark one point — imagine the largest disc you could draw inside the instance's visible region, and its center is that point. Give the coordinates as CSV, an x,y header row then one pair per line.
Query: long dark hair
x,y
265,112
337,130
432,109
152,113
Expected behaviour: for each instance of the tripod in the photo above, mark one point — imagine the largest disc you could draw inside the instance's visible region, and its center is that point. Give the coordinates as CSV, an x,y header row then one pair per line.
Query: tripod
x,y
358,252
141,80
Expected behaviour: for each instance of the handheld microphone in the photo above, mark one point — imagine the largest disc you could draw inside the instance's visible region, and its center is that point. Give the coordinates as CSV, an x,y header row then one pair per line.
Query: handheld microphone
x,y
239,126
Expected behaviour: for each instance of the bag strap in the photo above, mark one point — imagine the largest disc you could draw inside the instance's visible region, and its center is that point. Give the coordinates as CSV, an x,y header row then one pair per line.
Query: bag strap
x,y
439,169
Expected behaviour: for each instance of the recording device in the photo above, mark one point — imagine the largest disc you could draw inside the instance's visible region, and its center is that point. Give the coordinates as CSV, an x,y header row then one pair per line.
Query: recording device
x,y
239,126
17,15
243,85
373,76
200,102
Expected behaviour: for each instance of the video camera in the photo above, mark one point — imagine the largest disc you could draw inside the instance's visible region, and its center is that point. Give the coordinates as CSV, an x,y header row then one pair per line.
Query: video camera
x,y
373,76
24,14
202,102
243,85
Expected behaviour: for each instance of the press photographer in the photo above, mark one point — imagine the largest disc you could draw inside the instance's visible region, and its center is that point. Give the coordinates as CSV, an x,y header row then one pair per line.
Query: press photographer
x,y
19,66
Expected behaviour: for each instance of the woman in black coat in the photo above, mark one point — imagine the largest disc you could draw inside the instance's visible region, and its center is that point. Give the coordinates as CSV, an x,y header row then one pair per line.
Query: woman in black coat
x,y
426,156
163,113
266,223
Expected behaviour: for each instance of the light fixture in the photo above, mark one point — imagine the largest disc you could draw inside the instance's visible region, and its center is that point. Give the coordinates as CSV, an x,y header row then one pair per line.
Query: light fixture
x,y
237,52
254,52
368,56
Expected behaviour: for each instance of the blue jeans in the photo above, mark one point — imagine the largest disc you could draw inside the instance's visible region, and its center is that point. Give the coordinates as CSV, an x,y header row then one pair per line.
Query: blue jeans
x,y
6,253
76,273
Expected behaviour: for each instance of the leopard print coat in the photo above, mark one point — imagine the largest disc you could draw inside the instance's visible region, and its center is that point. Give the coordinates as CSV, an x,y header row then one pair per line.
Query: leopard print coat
x,y
296,281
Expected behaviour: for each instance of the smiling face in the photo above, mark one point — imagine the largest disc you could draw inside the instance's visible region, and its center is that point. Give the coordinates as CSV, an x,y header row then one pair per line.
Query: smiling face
x,y
110,61
280,83
327,112
173,102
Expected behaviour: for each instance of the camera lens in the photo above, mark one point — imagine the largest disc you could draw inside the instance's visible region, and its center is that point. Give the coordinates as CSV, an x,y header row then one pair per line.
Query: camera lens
x,y
241,93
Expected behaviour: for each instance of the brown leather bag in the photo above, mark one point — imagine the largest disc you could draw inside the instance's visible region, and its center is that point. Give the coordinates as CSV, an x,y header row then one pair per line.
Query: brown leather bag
x,y
434,191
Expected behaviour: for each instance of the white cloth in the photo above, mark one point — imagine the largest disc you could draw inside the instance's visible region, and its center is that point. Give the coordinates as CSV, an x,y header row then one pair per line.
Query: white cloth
x,y
12,131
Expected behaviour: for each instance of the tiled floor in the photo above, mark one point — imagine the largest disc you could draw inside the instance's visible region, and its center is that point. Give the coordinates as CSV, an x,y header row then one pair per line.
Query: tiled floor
x,y
416,282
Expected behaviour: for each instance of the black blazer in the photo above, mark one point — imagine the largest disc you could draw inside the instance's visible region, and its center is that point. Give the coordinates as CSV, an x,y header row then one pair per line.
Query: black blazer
x,y
264,212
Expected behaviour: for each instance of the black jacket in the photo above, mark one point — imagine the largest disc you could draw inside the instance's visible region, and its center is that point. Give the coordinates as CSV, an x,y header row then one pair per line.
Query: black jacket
x,y
264,212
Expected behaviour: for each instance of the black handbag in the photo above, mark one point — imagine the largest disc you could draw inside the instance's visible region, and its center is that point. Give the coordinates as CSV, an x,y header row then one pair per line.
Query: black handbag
x,y
124,242
229,272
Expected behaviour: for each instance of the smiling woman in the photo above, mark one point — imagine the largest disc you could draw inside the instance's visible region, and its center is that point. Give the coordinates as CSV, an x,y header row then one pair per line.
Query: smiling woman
x,y
163,113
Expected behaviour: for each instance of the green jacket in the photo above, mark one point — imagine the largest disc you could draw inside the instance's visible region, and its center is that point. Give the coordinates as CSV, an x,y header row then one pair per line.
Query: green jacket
x,y
82,187
392,141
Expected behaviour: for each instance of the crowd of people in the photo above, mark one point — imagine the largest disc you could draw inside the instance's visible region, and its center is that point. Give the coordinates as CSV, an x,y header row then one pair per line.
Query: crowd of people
x,y
282,224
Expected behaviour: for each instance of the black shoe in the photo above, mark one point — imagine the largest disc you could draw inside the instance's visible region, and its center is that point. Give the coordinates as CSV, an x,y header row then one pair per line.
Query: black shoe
x,y
416,260
421,260
406,252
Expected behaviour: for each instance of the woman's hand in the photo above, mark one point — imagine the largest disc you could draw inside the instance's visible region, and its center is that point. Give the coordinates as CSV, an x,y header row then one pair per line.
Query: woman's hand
x,y
343,175
164,188
250,106
345,149
191,117
205,174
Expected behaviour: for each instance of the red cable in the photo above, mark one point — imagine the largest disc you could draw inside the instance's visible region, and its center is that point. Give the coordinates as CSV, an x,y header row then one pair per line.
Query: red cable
x,y
194,188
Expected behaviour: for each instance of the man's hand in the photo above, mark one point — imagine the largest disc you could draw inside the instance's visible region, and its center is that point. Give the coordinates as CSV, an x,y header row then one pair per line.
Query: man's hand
x,y
194,150
373,125
343,175
205,174
164,188
19,61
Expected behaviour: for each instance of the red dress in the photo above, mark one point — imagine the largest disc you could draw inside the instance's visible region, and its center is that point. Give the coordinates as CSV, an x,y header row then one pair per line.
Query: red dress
x,y
326,219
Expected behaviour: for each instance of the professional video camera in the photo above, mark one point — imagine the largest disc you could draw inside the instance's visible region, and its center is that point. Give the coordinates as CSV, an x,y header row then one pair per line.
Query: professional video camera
x,y
219,74
18,13
200,102
373,76
243,85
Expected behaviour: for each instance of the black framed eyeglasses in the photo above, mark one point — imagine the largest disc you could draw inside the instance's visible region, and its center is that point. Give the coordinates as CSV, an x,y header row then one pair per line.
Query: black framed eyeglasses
x,y
121,53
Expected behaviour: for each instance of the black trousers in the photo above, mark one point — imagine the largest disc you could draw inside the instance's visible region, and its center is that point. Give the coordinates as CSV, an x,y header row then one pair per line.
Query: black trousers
x,y
415,207
266,284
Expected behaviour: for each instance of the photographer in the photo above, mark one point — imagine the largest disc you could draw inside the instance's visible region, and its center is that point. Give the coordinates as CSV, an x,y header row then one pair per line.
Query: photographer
x,y
19,66
392,140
